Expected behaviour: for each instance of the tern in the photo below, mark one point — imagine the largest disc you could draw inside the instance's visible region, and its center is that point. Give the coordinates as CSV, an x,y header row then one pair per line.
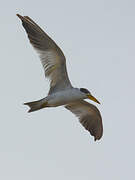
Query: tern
x,y
61,92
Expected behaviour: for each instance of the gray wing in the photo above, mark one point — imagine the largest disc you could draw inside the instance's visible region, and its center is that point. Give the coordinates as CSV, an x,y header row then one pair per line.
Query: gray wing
x,y
51,56
89,116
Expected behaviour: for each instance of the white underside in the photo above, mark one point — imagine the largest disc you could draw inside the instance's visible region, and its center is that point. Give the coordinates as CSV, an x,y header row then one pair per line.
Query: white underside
x,y
64,97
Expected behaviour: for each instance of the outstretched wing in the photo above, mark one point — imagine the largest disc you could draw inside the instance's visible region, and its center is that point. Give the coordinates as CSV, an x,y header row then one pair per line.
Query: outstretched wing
x,y
89,116
51,56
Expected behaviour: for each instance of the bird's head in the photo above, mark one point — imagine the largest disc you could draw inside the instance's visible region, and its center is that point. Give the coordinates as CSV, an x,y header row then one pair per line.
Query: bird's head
x,y
89,95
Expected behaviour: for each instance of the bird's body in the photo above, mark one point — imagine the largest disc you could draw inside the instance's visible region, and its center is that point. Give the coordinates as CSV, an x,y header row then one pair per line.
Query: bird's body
x,y
59,98
65,97
61,92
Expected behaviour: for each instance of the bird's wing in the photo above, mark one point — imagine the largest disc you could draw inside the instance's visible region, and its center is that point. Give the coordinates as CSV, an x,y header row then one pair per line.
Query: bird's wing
x,y
51,56
89,116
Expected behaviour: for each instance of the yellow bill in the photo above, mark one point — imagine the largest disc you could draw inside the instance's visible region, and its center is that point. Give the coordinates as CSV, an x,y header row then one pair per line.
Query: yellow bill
x,y
93,98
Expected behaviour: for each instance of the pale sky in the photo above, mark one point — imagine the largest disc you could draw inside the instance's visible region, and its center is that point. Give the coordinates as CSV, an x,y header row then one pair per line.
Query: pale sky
x,y
98,40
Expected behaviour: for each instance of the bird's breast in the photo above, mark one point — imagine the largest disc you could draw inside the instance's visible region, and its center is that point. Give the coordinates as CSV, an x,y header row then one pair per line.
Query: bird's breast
x,y
64,97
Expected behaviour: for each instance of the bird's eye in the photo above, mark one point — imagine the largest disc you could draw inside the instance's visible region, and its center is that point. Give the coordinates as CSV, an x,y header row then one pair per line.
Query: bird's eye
x,y
84,90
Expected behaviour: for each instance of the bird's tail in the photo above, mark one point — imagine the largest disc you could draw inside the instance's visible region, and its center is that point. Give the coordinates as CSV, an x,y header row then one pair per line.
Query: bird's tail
x,y
37,105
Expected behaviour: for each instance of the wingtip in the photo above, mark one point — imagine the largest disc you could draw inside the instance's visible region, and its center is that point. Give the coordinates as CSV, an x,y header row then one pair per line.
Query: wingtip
x,y
20,17
97,138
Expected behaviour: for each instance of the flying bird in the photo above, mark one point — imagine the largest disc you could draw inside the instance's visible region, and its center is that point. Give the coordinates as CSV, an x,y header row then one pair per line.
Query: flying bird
x,y
61,92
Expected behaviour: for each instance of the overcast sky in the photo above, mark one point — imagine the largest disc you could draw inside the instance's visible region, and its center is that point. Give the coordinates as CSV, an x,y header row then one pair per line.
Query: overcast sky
x,y
98,40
